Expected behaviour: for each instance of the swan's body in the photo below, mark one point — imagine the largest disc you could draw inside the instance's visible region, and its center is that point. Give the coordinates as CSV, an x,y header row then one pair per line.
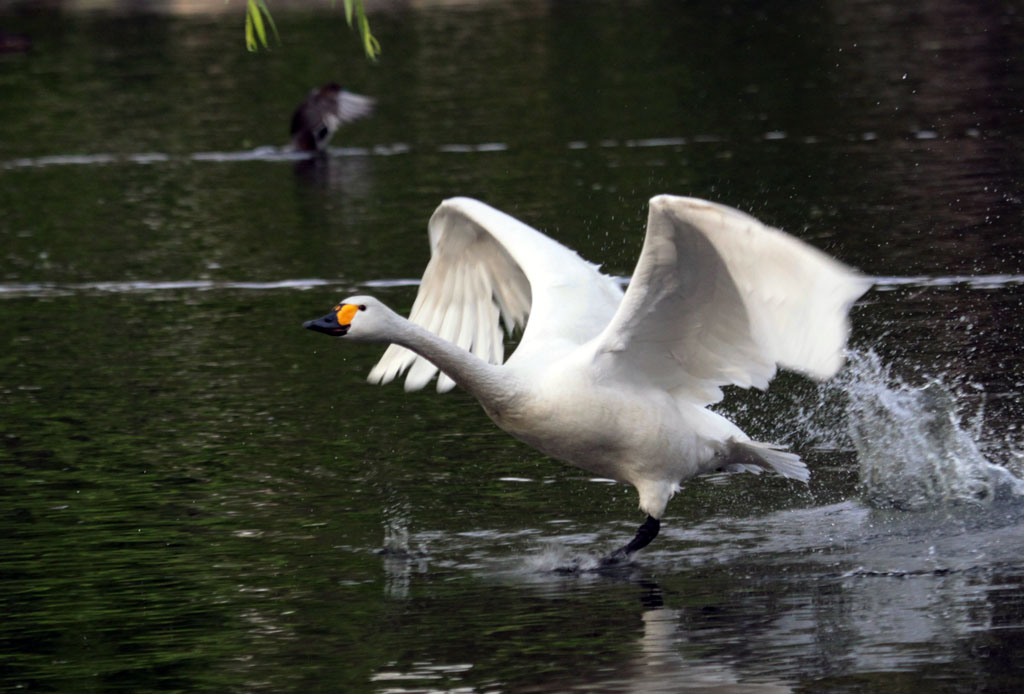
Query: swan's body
x,y
617,383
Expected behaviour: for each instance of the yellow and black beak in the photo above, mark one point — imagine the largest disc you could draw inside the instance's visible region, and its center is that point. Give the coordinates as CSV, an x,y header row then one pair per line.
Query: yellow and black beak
x,y
335,323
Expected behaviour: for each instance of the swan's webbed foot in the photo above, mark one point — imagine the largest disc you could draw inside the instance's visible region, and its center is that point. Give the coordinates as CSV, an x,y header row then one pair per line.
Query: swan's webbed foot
x,y
644,534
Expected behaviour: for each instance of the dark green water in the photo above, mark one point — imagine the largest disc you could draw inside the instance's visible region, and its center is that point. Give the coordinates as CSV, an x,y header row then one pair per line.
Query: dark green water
x,y
194,491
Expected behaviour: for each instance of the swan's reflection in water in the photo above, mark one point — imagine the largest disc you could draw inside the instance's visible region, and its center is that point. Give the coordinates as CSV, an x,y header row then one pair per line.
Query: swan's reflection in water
x,y
660,666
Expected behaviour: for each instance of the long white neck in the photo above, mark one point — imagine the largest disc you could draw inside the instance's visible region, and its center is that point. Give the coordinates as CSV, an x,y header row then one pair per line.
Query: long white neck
x,y
491,385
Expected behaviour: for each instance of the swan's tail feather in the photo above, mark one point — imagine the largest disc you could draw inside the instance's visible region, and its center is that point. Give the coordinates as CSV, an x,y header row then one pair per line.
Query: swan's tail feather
x,y
755,456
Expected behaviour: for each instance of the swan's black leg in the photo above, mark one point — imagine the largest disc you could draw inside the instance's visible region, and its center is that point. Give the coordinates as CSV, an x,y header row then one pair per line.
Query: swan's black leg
x,y
644,534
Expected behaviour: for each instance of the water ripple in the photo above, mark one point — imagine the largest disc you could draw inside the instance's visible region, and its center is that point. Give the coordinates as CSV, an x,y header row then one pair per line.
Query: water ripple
x,y
49,289
272,153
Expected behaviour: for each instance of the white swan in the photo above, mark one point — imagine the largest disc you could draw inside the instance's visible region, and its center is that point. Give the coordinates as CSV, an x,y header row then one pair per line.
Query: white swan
x,y
616,383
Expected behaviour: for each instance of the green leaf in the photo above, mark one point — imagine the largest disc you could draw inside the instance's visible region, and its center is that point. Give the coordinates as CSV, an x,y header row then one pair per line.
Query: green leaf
x,y
250,40
371,46
270,20
257,21
257,16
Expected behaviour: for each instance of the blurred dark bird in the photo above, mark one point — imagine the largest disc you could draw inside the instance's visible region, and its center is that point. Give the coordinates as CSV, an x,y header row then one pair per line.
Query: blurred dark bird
x,y
324,111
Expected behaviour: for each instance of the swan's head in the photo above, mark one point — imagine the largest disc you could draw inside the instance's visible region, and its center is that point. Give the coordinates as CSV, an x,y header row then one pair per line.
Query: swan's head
x,y
358,318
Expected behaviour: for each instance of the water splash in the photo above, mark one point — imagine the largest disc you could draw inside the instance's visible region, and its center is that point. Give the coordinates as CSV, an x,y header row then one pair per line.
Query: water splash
x,y
916,449
558,559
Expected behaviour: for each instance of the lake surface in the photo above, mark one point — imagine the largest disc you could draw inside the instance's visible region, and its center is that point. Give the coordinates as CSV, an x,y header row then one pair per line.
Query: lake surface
x,y
197,495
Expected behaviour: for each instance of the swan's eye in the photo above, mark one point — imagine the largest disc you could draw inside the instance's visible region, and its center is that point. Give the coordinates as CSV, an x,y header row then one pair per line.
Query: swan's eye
x,y
362,307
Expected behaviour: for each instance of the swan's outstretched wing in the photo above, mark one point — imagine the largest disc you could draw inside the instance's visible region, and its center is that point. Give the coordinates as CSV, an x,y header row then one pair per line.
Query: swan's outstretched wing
x,y
719,298
485,264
